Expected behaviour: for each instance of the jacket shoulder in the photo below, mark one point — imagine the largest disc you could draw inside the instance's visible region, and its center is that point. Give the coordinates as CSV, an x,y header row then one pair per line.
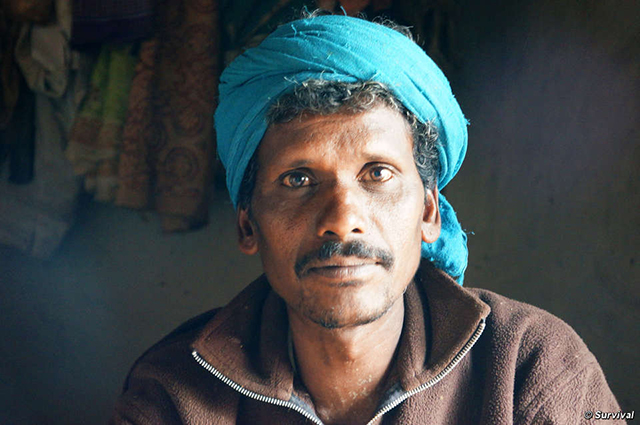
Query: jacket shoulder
x,y
531,338
164,381
555,377
533,327
178,339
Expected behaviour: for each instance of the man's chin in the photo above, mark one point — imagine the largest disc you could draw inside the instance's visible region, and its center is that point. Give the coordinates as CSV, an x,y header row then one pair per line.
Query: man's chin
x,y
338,319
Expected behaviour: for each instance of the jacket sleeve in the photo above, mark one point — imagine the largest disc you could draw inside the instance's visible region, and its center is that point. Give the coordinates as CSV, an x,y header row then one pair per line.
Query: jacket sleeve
x,y
541,371
558,380
144,402
577,398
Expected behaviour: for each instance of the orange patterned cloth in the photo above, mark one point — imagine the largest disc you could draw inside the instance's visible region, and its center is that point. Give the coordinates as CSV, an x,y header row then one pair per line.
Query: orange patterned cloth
x,y
168,139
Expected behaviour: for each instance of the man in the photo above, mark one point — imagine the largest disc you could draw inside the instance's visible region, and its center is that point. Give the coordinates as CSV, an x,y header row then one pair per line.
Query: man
x,y
336,134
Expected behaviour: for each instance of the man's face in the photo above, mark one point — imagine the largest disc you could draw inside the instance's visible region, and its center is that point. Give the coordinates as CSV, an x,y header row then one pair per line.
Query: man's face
x,y
338,215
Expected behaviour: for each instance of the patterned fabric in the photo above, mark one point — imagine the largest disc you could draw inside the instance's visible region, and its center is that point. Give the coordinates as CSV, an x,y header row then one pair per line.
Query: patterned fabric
x,y
96,136
168,136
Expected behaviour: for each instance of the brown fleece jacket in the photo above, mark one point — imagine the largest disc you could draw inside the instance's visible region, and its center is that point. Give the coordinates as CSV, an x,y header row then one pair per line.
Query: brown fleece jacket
x,y
466,356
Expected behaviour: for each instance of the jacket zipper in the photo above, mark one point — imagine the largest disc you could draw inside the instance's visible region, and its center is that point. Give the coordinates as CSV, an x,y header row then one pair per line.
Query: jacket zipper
x,y
430,383
458,357
251,394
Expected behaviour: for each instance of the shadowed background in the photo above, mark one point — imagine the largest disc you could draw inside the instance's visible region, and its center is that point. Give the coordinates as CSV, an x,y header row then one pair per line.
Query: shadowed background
x,y
549,190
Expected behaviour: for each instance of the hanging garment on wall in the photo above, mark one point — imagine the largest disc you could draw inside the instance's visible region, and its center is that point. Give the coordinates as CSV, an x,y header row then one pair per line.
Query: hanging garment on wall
x,y
114,21
33,11
9,72
96,136
16,104
247,22
354,7
36,216
168,136
18,137
44,55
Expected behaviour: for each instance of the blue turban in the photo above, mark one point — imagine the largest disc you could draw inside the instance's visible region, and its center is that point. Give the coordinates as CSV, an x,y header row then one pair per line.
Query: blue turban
x,y
342,48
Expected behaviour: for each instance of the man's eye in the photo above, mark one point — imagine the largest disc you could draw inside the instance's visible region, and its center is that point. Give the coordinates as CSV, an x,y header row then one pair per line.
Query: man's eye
x,y
296,180
379,174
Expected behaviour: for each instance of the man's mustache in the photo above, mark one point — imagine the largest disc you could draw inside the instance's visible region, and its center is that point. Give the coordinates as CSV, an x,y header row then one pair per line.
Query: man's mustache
x,y
358,249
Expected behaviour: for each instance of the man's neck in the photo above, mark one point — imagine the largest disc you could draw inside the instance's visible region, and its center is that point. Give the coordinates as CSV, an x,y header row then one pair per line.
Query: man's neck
x,y
344,369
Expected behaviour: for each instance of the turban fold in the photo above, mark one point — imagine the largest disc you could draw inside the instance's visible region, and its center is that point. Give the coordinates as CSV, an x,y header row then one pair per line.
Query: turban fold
x,y
341,48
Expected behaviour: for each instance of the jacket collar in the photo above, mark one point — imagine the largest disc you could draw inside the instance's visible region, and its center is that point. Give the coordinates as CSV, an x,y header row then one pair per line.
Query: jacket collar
x,y
246,341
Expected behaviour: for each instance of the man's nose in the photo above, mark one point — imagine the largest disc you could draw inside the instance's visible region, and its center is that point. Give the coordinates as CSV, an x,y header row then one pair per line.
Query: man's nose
x,y
342,213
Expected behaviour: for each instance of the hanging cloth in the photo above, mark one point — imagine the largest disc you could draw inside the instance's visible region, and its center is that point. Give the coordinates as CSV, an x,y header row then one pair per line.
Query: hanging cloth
x,y
168,135
96,136
113,21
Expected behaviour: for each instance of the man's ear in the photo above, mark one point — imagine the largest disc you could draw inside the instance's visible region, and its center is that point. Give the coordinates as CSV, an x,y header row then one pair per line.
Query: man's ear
x,y
431,218
247,236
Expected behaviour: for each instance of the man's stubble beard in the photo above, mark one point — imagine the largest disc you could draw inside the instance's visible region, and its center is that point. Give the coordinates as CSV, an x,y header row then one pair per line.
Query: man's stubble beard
x,y
337,317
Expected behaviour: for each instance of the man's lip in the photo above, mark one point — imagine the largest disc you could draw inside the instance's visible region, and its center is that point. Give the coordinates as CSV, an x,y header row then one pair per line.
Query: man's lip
x,y
342,271
339,261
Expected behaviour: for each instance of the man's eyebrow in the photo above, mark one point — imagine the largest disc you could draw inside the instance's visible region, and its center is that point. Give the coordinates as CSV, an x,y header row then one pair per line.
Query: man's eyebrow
x,y
366,157
374,157
297,163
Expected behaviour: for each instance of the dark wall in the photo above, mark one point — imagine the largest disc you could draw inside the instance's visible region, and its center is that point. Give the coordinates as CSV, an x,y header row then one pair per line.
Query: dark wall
x,y
549,188
551,181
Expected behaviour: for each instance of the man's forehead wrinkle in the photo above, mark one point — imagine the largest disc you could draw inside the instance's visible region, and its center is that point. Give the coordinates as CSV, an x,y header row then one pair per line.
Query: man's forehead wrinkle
x,y
310,134
349,142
